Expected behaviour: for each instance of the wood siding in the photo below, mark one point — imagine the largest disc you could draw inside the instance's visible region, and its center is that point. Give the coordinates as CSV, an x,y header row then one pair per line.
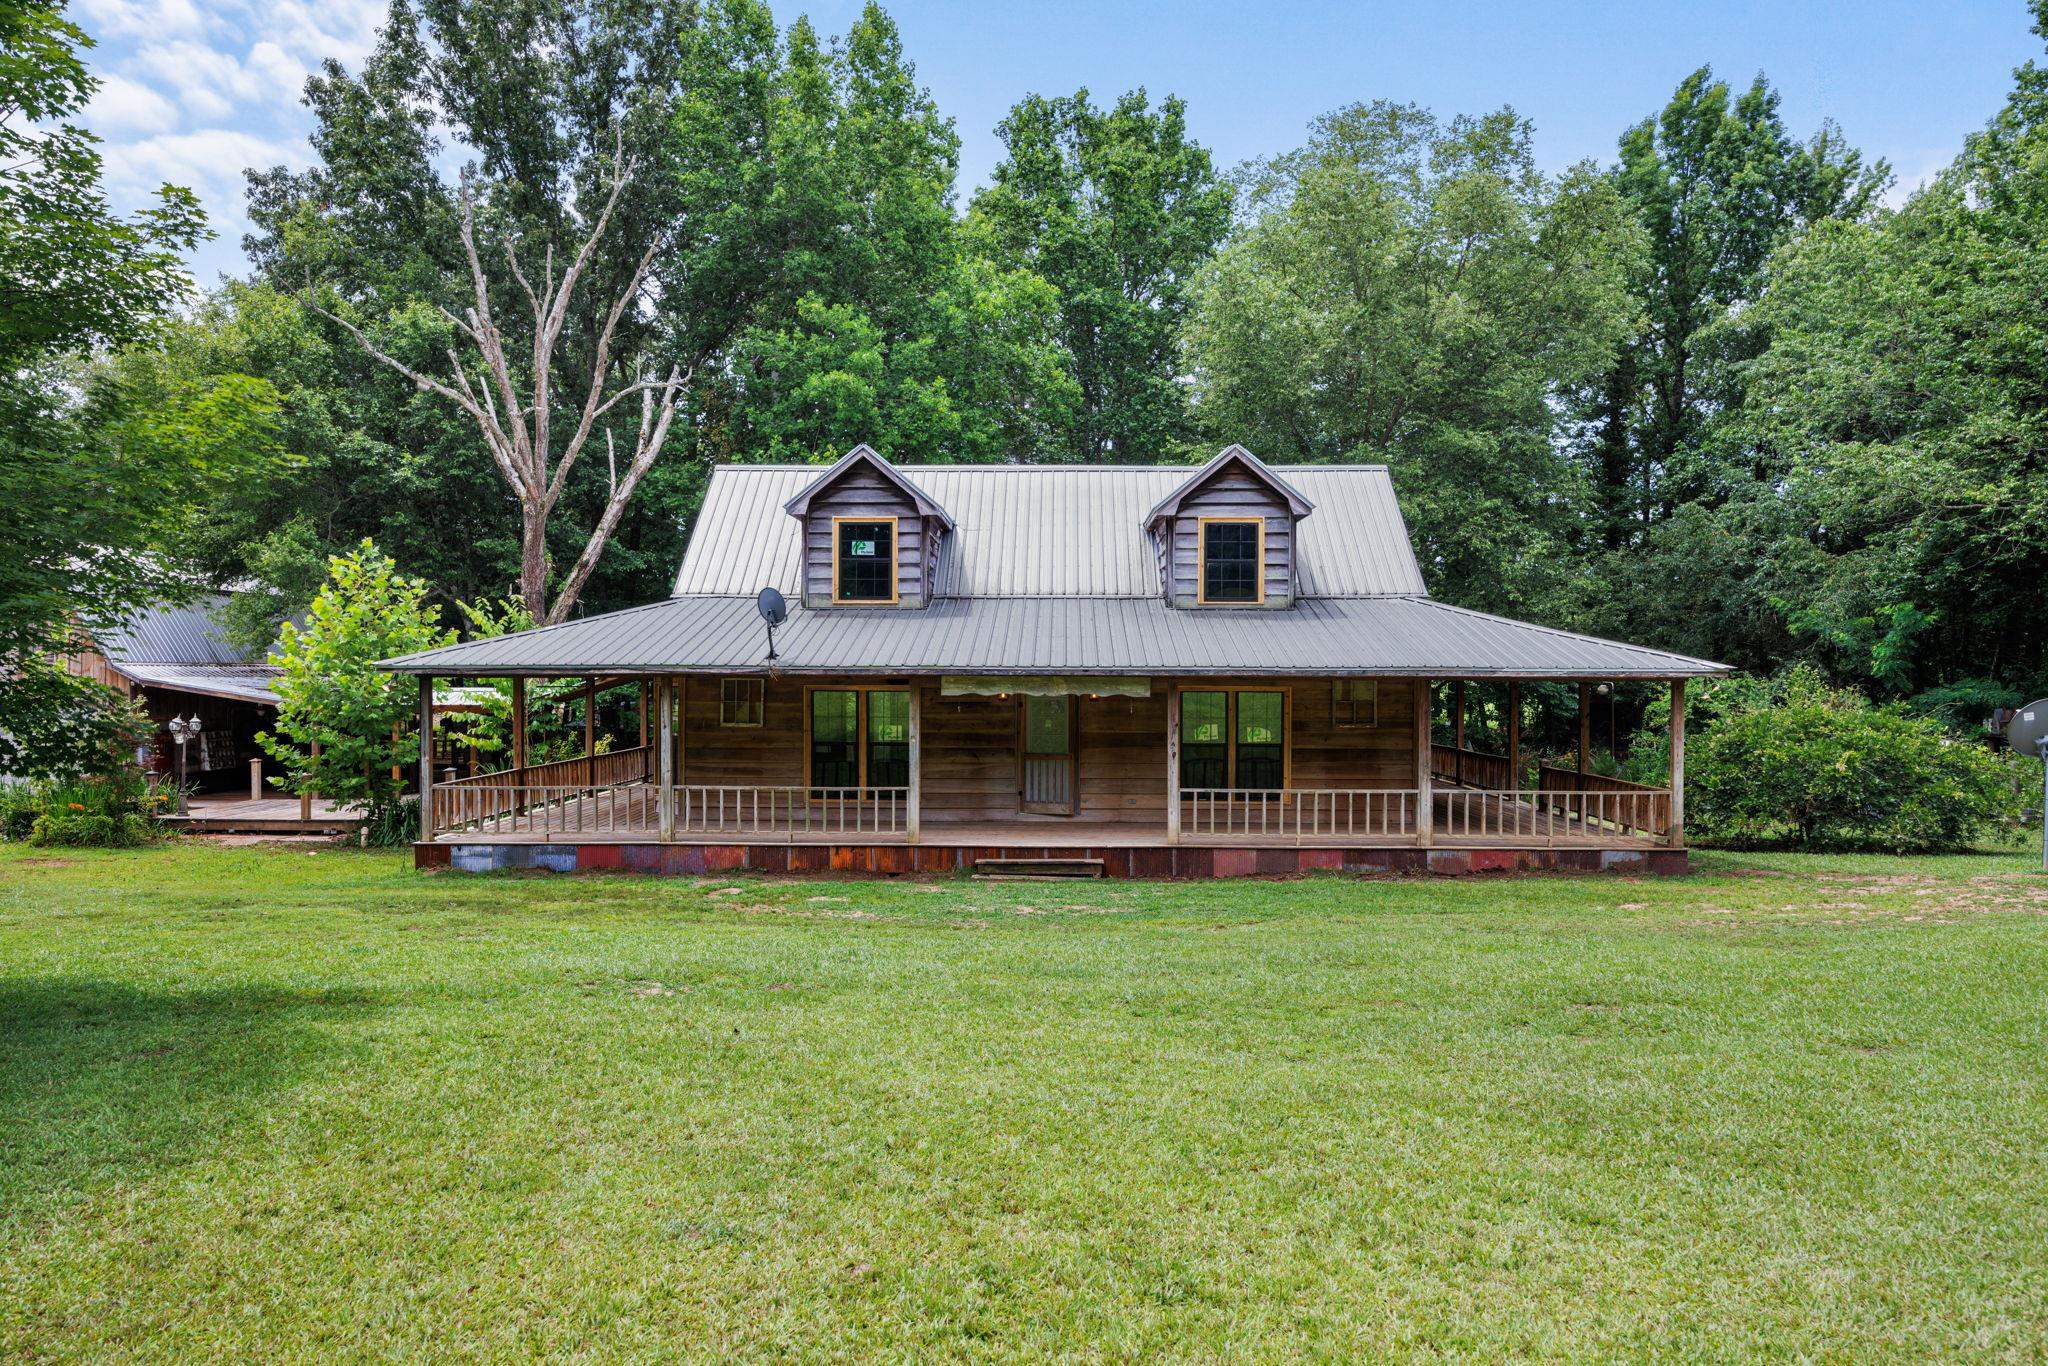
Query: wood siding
x,y
860,492
970,748
1230,492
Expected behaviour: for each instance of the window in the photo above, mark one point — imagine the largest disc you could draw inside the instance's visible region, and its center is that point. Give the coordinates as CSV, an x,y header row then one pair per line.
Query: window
x,y
835,731
860,738
888,739
1235,739
1232,549
740,701
1355,702
864,563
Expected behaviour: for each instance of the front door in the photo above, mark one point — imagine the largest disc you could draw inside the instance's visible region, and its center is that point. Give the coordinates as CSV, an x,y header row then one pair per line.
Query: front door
x,y
1049,779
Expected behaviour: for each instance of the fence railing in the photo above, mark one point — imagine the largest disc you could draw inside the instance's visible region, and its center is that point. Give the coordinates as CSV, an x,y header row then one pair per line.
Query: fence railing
x,y
546,809
1574,793
1471,767
1299,812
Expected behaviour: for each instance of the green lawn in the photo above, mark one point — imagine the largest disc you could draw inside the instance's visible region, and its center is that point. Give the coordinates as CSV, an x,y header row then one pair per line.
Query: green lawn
x,y
306,1103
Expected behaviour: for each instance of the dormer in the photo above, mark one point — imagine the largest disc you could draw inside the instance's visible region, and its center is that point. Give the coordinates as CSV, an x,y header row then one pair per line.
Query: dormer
x,y
1225,536
871,537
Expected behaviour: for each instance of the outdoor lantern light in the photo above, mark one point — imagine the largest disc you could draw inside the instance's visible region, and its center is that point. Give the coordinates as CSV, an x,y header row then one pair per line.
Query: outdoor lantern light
x,y
184,730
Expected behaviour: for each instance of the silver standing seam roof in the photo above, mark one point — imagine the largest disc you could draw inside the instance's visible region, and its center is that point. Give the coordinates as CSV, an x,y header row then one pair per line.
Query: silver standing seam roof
x,y
1049,570
181,648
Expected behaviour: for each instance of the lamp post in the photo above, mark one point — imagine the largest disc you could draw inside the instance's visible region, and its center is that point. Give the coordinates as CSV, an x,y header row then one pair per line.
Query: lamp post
x,y
184,730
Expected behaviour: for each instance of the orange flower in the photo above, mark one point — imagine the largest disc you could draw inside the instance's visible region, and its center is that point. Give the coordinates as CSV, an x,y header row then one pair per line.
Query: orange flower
x,y
76,806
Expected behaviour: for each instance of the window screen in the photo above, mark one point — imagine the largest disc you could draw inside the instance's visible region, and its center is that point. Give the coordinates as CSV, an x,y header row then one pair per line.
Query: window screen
x,y
1230,561
740,702
835,735
867,562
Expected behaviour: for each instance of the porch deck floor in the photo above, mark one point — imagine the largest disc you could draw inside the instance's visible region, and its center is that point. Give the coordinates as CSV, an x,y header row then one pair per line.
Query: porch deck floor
x,y
627,816
230,812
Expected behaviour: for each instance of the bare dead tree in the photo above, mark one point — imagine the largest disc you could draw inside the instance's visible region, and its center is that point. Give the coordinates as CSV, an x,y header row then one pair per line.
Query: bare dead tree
x,y
517,426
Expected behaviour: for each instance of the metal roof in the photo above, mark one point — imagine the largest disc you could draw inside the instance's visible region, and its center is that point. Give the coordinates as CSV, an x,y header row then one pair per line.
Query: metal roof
x,y
1050,530
1360,636
187,634
242,682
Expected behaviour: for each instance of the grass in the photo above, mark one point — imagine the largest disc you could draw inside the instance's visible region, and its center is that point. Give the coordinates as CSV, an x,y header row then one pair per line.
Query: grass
x,y
291,1103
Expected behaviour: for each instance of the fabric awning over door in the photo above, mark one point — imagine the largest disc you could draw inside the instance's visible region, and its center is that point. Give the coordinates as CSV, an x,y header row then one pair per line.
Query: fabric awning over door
x,y
1042,685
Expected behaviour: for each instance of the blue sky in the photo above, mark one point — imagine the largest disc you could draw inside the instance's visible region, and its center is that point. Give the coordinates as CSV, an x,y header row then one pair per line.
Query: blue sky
x,y
198,89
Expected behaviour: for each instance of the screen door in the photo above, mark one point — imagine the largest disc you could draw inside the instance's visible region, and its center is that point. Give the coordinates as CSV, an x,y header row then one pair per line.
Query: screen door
x,y
1048,760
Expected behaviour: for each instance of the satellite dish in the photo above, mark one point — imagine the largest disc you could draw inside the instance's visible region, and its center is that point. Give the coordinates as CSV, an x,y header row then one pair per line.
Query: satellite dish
x,y
774,611
2028,729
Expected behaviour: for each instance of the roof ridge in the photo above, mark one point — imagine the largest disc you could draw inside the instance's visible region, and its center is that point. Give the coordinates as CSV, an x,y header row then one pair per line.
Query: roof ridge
x,y
990,467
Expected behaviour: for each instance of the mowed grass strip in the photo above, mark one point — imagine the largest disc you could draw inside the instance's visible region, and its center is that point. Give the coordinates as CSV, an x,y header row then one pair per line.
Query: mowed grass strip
x,y
289,1102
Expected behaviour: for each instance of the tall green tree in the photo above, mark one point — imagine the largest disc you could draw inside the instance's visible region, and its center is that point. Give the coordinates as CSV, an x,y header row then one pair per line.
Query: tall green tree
x,y
1899,413
878,326
92,489
1718,183
1117,208
1416,292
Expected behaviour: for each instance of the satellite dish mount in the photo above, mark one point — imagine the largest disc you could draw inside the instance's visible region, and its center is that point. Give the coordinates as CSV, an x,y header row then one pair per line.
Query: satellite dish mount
x,y
2027,733
774,611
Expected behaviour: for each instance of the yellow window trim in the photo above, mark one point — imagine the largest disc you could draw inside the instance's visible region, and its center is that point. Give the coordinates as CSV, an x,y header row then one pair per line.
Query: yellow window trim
x,y
1202,560
895,562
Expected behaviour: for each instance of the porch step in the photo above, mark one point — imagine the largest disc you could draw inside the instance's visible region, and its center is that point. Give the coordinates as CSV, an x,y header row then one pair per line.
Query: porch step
x,y
1035,869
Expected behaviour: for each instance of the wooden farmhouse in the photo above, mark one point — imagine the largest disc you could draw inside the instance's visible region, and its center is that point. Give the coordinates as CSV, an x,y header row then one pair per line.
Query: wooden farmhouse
x,y
1134,670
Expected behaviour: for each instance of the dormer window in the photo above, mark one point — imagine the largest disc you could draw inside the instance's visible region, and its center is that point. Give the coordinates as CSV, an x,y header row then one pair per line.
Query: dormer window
x,y
864,561
1233,554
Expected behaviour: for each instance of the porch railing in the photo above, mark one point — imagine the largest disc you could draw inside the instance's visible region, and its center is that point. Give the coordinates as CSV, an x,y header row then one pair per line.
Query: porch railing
x,y
704,810
633,808
1471,767
542,809
1552,816
1647,810
1299,812
458,801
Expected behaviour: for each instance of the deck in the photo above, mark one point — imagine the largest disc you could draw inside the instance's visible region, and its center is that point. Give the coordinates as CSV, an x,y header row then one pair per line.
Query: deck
x,y
619,827
232,814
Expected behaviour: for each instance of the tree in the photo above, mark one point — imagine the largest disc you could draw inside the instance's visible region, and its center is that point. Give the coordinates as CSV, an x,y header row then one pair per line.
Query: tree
x,y
611,208
91,491
1117,209
331,694
1415,292
1718,184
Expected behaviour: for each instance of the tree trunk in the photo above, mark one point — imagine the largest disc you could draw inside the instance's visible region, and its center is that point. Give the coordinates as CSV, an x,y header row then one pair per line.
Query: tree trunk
x,y
533,559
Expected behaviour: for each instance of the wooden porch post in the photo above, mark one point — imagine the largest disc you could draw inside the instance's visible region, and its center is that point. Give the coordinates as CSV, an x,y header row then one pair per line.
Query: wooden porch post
x,y
306,797
1515,736
1172,763
916,794
518,723
1458,723
1425,798
589,719
1677,835
426,759
1585,724
665,796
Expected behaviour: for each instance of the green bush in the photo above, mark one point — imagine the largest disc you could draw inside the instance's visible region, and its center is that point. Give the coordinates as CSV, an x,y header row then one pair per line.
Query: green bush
x,y
110,812
1817,768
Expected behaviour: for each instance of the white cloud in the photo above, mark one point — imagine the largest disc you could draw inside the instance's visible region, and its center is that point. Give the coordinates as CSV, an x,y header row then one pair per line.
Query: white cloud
x,y
141,18
122,105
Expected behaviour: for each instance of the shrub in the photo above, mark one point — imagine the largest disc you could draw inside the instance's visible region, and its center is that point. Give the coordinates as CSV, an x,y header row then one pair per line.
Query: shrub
x,y
1822,769
396,823
109,812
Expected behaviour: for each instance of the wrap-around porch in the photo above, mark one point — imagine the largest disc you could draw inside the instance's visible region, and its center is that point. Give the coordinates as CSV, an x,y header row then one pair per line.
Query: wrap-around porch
x,y
823,763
